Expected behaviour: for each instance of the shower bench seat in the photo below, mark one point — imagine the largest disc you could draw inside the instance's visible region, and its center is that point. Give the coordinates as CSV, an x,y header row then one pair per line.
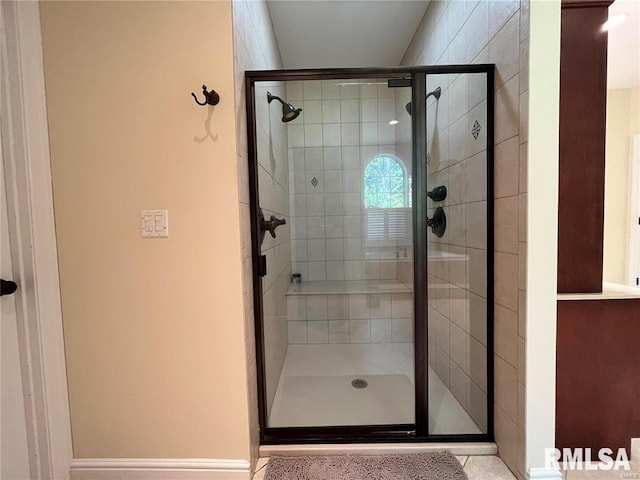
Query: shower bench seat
x,y
350,311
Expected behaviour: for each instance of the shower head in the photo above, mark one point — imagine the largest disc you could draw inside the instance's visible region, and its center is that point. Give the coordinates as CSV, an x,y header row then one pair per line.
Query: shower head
x,y
436,93
289,112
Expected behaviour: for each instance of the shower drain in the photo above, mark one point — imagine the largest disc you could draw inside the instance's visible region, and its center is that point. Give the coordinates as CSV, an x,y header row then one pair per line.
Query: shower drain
x,y
359,383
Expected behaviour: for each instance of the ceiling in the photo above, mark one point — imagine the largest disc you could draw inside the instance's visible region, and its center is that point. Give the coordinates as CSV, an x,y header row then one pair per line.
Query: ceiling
x,y
341,34
624,46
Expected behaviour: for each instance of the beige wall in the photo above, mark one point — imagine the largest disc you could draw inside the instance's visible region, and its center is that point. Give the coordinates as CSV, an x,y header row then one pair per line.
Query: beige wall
x,y
454,32
623,112
153,331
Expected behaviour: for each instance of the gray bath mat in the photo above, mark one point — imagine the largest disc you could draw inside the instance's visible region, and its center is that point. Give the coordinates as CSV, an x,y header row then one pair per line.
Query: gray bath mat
x,y
419,466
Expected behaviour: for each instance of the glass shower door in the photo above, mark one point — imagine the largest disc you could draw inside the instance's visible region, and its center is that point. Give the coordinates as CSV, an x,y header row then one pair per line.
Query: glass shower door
x,y
458,186
337,326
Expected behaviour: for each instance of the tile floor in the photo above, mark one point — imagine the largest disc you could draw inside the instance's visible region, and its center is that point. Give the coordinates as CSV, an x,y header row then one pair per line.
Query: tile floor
x,y
487,467
303,362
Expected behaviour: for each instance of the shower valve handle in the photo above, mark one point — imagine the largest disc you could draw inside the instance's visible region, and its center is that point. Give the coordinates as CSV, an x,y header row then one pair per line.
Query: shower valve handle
x,y
271,225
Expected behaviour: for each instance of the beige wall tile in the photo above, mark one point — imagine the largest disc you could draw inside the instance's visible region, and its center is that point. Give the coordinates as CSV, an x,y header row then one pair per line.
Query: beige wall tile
x,y
339,331
506,224
506,280
524,117
456,16
523,167
402,330
506,387
477,271
504,48
522,217
476,88
506,168
477,30
522,266
459,346
507,110
442,365
522,465
458,266
507,438
478,363
459,384
380,305
478,318
524,65
476,177
477,405
521,405
522,318
500,11
456,187
522,346
506,334
459,307
360,331
476,229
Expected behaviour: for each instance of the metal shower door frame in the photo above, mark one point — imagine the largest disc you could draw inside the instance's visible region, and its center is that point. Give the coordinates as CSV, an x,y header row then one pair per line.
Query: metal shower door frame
x,y
419,431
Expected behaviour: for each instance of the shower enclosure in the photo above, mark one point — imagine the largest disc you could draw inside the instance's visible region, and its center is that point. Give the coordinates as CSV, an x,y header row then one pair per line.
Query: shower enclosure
x,y
372,227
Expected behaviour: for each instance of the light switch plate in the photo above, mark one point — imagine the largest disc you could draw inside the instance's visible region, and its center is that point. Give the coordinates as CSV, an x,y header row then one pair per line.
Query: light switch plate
x,y
154,223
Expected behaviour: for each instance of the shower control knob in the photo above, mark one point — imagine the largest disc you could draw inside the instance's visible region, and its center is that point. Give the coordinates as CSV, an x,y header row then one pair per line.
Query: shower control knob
x,y
7,287
438,223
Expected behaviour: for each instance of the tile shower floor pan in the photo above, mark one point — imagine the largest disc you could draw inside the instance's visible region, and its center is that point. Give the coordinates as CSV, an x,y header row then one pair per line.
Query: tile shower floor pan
x,y
315,389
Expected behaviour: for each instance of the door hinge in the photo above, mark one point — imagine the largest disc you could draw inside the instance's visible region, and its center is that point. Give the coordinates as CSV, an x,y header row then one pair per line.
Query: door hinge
x,y
262,265
398,82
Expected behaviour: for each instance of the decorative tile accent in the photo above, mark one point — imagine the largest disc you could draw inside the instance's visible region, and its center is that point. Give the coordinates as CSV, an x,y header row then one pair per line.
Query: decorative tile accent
x,y
475,131
314,182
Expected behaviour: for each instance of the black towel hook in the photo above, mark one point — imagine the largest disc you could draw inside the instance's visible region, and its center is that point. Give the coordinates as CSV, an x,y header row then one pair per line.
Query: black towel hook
x,y
210,98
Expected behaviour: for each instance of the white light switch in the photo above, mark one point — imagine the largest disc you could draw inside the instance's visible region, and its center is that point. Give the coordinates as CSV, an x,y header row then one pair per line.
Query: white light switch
x,y
154,223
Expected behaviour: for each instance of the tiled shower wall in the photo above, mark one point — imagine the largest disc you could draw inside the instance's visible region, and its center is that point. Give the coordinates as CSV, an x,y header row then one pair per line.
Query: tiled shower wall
x,y
459,32
344,124
255,48
273,188
457,263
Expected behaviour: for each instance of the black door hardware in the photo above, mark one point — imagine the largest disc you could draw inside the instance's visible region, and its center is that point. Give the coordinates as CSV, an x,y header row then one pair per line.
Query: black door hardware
x,y
398,82
7,287
269,225
262,265
438,222
438,194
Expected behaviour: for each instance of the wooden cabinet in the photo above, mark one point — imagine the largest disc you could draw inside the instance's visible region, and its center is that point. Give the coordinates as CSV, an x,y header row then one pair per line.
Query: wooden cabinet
x,y
583,103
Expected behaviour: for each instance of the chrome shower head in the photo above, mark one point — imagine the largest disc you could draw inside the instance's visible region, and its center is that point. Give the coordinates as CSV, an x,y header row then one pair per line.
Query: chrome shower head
x,y
289,112
436,93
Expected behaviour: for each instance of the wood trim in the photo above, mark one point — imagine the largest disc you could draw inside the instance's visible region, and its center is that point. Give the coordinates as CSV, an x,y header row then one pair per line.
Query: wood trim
x,y
165,468
586,3
29,195
583,102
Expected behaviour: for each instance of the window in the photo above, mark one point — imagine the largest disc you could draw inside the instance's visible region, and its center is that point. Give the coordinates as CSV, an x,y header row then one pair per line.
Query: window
x,y
387,200
385,183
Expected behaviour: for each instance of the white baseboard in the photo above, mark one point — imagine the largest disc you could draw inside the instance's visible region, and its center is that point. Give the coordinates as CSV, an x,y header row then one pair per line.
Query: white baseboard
x,y
545,474
159,469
